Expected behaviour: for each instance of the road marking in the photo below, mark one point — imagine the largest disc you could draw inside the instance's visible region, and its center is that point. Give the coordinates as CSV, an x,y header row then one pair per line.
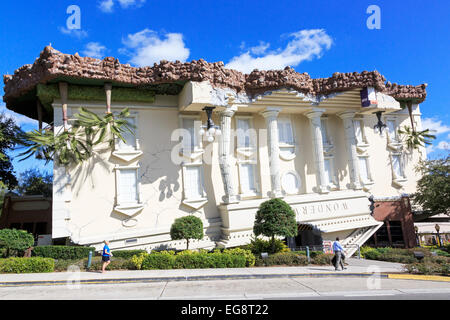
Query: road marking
x,y
418,277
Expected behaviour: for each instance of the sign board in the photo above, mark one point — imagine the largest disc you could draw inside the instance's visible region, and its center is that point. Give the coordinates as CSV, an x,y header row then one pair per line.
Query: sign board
x,y
368,97
327,246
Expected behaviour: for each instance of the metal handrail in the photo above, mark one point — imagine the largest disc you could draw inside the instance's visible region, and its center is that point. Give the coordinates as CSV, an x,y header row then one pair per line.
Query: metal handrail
x,y
353,245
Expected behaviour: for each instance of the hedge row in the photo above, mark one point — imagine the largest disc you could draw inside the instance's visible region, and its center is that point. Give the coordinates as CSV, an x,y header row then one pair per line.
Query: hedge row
x,y
294,259
62,252
192,260
127,254
27,265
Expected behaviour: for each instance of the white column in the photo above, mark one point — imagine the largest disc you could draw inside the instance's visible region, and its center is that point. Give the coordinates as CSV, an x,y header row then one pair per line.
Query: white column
x,y
352,154
271,114
314,117
224,151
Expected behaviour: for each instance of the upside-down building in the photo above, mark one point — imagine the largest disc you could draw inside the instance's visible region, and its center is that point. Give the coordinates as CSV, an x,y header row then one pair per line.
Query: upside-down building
x,y
325,146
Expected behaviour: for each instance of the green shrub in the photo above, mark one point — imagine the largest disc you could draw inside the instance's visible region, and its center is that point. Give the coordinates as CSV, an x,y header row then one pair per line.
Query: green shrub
x,y
127,254
186,228
322,259
26,265
62,265
257,246
14,242
275,217
428,268
190,260
62,252
285,258
372,254
249,257
442,253
158,260
116,264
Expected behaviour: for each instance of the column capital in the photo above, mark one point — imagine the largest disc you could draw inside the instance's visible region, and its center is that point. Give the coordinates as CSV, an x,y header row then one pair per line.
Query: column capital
x,y
229,111
314,113
346,114
270,112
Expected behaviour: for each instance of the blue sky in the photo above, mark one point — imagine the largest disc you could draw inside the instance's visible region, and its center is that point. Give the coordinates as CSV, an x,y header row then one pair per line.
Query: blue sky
x,y
318,37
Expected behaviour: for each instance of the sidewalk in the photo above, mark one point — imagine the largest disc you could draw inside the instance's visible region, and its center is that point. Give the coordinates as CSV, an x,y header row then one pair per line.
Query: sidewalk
x,y
356,268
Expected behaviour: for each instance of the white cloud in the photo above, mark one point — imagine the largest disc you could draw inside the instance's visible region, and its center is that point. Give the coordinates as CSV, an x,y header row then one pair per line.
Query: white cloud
x,y
305,45
107,6
435,125
77,33
443,145
146,47
94,50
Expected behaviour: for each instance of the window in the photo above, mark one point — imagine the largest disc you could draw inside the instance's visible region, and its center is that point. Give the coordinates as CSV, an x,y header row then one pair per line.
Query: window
x,y
190,139
286,139
329,171
392,133
247,178
128,136
243,133
397,166
290,183
324,130
193,182
127,186
364,172
285,135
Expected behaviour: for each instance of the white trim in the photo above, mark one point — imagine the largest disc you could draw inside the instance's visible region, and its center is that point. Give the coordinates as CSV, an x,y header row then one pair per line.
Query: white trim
x,y
248,193
366,184
399,181
299,182
334,185
118,204
194,202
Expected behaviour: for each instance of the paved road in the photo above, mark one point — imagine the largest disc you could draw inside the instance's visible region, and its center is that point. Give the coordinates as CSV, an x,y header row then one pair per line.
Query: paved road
x,y
280,288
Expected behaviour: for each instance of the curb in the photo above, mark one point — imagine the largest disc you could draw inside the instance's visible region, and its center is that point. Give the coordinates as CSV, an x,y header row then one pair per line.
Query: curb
x,y
419,277
184,278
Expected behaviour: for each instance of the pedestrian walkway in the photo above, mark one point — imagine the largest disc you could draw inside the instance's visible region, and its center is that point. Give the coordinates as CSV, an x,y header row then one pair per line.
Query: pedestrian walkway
x,y
355,268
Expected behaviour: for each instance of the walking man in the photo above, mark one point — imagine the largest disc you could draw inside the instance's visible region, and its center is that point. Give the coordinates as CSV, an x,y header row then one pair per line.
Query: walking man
x,y
106,256
338,255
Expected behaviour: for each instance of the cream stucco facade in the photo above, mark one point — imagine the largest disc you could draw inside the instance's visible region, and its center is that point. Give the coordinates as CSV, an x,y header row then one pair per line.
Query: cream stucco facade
x,y
321,154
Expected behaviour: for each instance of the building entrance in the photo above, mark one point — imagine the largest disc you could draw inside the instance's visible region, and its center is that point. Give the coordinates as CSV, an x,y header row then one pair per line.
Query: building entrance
x,y
307,236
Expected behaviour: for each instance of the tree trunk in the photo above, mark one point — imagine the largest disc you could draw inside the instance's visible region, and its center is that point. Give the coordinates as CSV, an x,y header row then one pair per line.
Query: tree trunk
x,y
187,244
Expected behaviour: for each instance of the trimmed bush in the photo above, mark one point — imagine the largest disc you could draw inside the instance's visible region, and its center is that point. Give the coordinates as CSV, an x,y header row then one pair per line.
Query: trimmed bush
x,y
190,260
127,254
26,265
428,268
188,227
62,252
249,257
257,246
322,259
283,258
158,260
116,264
14,241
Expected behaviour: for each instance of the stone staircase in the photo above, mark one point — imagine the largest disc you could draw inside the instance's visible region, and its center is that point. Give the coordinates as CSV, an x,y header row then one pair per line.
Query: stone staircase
x,y
357,239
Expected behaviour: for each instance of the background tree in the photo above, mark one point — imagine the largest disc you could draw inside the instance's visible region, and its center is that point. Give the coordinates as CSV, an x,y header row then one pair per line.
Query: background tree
x,y
15,241
275,218
433,188
186,228
8,133
34,182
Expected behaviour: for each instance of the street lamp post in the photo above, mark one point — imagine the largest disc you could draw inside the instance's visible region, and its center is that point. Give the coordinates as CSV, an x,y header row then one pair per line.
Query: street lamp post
x,y
437,227
416,229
